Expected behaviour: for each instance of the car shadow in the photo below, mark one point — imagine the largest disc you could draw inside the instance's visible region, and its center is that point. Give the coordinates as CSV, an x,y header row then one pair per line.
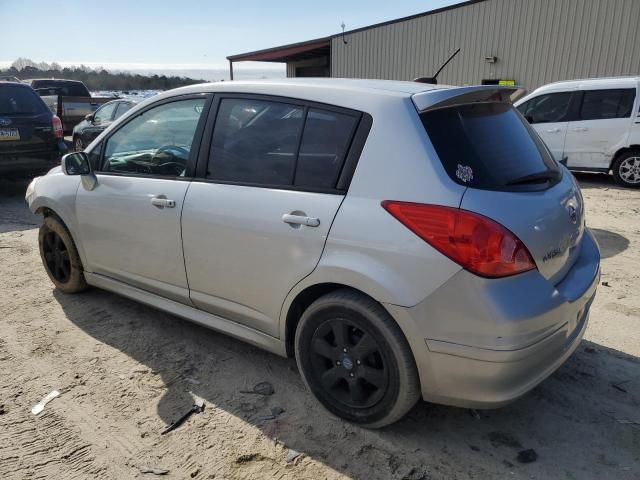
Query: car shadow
x,y
610,243
588,180
432,441
14,214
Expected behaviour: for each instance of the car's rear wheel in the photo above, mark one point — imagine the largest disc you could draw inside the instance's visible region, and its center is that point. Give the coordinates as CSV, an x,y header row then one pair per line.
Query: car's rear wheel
x,y
78,144
626,169
60,257
355,359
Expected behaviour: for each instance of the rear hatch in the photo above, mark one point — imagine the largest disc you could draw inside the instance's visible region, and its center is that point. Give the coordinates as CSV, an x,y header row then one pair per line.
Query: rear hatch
x,y
25,121
486,145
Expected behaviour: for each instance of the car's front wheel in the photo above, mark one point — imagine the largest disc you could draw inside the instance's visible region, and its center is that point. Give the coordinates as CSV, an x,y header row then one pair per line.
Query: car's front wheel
x,y
60,256
355,359
626,169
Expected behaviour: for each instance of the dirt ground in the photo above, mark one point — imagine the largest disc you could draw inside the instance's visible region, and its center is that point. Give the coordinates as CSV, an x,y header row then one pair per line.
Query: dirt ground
x,y
126,371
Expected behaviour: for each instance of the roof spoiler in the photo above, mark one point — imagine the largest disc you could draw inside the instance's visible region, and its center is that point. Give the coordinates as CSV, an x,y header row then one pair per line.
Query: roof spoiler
x,y
448,97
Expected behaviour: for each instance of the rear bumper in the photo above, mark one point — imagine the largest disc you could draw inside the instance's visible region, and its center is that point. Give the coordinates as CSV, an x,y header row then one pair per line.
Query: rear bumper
x,y
35,159
484,343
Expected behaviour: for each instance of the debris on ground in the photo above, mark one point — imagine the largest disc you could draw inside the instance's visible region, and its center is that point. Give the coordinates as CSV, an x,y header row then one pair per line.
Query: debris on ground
x,y
501,438
192,381
154,471
292,455
262,388
605,284
197,407
277,411
527,456
618,387
39,407
474,413
2,410
195,473
248,457
415,474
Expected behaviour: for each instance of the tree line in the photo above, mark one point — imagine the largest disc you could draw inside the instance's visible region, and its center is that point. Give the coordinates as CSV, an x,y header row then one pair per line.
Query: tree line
x,y
95,78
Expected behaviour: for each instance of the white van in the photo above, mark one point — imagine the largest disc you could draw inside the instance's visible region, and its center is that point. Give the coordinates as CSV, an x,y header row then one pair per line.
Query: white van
x,y
590,125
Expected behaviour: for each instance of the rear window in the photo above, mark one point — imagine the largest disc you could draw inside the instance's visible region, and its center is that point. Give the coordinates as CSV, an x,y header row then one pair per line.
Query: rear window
x,y
489,146
19,101
66,89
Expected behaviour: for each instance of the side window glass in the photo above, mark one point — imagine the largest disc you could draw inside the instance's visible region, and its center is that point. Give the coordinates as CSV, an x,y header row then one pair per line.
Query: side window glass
x,y
104,113
325,142
255,141
123,107
156,142
607,104
548,108
94,157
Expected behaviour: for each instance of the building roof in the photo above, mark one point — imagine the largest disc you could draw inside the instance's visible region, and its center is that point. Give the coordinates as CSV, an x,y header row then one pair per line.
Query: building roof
x,y
321,46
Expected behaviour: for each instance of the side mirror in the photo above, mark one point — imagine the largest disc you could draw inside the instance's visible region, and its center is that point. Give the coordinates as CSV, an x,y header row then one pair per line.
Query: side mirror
x,y
76,163
89,117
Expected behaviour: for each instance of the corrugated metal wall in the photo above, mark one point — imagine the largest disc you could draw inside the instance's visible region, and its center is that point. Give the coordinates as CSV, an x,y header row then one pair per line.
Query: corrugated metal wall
x,y
536,42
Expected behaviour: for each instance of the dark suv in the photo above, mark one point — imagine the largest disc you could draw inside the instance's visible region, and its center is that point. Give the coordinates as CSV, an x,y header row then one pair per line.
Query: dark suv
x,y
31,137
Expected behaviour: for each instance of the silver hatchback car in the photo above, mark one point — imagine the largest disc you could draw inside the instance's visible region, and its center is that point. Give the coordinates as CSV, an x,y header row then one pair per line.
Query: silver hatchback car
x,y
401,240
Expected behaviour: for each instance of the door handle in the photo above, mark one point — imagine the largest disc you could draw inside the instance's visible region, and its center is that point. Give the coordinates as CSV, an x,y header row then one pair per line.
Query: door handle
x,y
292,219
580,129
162,202
553,130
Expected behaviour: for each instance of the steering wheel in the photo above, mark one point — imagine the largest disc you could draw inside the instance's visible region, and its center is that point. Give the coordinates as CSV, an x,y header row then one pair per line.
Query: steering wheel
x,y
184,153
176,166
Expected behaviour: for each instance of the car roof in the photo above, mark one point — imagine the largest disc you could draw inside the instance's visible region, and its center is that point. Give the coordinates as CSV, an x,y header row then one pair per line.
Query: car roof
x,y
595,83
382,87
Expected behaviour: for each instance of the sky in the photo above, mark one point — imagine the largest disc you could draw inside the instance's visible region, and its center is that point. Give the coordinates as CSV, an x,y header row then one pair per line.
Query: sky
x,y
179,36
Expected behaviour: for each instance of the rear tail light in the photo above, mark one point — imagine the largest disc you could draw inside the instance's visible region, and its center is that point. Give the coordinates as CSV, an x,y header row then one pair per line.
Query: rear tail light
x,y
57,127
477,243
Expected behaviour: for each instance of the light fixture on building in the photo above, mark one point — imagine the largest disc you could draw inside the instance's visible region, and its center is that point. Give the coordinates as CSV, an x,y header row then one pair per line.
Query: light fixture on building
x,y
491,59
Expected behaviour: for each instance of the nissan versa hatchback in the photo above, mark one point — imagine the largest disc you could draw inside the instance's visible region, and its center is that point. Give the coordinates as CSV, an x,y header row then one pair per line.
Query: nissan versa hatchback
x,y
401,240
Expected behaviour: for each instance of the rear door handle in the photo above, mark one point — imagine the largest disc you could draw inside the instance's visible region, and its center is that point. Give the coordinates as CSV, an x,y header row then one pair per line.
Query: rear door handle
x,y
300,220
553,130
580,129
162,202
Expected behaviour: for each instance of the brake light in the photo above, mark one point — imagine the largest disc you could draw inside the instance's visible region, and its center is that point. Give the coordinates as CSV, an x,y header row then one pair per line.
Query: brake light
x,y
57,127
475,242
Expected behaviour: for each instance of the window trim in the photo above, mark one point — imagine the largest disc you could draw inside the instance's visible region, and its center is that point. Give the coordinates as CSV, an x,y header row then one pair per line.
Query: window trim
x,y
195,145
352,151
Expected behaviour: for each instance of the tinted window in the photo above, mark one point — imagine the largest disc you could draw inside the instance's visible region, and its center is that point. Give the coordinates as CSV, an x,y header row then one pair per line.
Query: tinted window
x,y
156,142
255,141
123,107
548,108
19,101
486,145
325,142
104,114
603,104
67,89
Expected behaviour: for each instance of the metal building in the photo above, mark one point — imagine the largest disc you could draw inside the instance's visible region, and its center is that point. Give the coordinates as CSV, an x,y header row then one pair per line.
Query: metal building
x,y
528,42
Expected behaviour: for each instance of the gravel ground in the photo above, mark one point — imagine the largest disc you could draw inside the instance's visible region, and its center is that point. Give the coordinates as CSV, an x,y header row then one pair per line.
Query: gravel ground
x,y
126,371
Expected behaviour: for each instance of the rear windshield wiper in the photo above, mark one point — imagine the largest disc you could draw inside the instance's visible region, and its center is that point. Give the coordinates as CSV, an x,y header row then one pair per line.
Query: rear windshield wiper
x,y
539,177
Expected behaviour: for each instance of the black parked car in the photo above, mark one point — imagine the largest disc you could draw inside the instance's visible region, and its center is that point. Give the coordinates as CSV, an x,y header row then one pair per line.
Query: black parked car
x,y
95,123
31,137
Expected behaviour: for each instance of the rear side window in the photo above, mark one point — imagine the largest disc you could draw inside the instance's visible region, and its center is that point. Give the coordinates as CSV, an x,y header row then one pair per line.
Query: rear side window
x,y
606,104
488,146
260,142
19,101
324,145
549,108
66,89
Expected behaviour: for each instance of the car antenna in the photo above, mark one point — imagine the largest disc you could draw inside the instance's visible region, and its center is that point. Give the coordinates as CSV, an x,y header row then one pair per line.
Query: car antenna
x,y
434,80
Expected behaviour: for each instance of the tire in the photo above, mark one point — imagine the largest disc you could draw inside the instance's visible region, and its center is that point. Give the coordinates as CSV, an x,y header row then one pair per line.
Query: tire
x,y
60,257
78,144
375,382
626,169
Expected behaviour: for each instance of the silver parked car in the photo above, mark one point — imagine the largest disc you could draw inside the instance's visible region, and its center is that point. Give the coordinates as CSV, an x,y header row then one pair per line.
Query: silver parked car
x,y
399,239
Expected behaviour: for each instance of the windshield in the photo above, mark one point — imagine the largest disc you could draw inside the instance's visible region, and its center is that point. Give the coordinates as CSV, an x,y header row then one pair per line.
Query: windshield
x,y
489,146
15,100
